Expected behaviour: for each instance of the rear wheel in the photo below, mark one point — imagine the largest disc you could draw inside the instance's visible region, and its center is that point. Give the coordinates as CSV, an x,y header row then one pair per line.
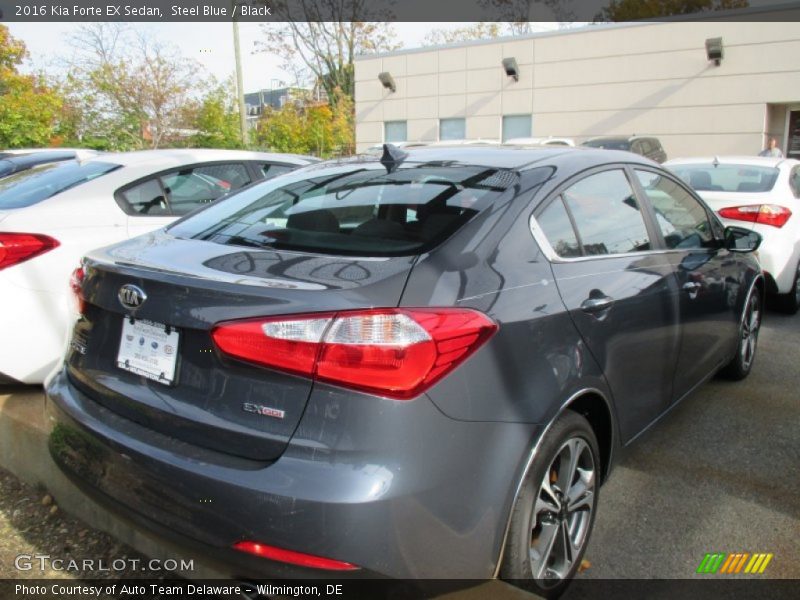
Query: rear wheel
x,y
554,513
790,302
742,363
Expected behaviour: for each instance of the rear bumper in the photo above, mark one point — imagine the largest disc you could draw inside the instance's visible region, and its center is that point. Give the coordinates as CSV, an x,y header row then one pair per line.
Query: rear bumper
x,y
778,254
34,325
397,488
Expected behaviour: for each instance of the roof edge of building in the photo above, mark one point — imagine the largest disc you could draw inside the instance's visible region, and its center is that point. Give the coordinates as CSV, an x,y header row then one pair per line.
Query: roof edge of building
x,y
725,15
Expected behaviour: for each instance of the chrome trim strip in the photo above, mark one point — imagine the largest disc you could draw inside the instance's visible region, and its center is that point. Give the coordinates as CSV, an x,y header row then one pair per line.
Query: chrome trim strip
x,y
532,457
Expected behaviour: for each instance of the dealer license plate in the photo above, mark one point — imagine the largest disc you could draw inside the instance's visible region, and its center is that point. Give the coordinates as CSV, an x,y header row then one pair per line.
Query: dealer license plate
x,y
148,349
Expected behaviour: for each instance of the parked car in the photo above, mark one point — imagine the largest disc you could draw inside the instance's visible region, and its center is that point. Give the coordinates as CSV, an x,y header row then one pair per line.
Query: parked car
x,y
13,161
644,146
761,194
417,366
51,215
540,141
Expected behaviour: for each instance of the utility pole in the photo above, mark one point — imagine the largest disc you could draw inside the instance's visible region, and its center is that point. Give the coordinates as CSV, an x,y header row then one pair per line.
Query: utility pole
x,y
240,85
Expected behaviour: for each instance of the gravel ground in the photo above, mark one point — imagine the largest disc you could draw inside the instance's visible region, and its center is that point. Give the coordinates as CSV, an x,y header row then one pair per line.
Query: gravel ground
x,y
32,524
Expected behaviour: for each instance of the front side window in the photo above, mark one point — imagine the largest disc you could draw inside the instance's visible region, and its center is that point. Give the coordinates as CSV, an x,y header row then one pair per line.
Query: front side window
x,y
607,215
352,209
683,221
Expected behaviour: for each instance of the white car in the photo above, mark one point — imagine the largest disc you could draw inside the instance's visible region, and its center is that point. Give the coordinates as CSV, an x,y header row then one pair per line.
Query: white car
x,y
540,141
761,192
53,214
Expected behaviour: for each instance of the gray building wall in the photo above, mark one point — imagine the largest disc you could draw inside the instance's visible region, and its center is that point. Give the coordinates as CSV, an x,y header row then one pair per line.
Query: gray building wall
x,y
647,79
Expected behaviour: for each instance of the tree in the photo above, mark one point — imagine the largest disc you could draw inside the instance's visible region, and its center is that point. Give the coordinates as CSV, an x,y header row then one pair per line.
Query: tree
x,y
323,129
216,119
125,88
478,31
319,43
630,10
29,108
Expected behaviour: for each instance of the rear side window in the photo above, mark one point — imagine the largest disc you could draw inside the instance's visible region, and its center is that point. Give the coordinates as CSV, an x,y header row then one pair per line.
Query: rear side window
x,y
683,221
353,209
606,214
40,183
147,198
554,222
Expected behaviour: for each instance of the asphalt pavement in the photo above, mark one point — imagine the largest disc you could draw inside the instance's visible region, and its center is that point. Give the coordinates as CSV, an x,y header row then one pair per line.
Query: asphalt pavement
x,y
719,473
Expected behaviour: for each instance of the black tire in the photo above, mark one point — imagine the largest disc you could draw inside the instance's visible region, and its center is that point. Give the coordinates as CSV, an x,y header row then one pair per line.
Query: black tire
x,y
750,325
790,303
532,524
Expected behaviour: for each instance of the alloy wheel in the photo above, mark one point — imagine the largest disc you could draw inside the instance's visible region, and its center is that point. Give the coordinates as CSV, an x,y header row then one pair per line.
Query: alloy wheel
x,y
750,326
562,512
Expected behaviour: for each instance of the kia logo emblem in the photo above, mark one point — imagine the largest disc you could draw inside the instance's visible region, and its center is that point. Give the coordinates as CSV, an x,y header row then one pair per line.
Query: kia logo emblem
x,y
131,296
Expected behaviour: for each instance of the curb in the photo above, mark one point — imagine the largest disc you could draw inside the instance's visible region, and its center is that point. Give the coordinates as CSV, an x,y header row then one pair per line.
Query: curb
x,y
24,453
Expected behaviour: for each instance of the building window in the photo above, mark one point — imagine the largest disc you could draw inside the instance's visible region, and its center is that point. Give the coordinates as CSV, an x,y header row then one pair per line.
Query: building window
x,y
517,126
452,129
395,131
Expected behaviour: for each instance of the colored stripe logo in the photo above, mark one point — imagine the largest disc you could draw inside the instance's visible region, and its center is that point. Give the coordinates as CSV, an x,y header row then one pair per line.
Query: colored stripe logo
x,y
736,562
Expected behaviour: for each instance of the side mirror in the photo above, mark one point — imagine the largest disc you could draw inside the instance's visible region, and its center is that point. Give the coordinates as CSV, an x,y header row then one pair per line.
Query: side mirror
x,y
739,239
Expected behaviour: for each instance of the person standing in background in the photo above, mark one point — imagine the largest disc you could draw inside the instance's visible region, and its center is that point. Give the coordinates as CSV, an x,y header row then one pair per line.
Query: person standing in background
x,y
772,149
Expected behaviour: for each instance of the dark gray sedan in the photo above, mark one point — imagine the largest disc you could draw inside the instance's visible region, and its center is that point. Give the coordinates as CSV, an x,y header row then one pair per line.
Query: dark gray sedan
x,y
419,365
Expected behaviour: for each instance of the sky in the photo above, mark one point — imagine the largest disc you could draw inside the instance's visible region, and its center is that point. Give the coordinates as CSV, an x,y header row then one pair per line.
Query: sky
x,y
211,44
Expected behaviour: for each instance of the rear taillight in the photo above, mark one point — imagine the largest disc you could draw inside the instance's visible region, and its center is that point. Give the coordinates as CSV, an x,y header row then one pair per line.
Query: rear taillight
x,y
397,353
764,214
19,247
76,285
292,557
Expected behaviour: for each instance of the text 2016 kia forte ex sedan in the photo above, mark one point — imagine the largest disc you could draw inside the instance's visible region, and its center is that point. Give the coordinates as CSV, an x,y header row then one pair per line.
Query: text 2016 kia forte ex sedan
x,y
418,365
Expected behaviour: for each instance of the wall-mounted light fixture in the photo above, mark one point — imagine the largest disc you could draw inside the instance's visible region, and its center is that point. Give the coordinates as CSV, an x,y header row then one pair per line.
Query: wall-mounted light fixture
x,y
714,50
387,81
511,67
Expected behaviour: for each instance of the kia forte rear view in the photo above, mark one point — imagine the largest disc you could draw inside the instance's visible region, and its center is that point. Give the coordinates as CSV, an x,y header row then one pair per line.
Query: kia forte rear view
x,y
418,365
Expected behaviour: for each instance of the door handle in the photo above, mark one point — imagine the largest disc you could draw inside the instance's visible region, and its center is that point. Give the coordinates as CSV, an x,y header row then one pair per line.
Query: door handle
x,y
591,305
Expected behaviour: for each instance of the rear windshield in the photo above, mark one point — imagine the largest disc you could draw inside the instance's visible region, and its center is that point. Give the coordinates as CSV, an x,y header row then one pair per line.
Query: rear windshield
x,y
34,185
355,209
609,144
727,178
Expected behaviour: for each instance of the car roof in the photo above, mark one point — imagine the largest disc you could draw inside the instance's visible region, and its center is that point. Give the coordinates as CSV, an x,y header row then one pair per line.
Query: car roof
x,y
76,152
755,161
38,157
181,156
509,157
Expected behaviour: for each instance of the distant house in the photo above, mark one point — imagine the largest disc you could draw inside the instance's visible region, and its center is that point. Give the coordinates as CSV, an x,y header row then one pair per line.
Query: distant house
x,y
256,102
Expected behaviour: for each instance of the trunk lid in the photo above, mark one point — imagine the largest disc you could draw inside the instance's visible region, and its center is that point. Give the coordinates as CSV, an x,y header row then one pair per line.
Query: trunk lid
x,y
214,402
